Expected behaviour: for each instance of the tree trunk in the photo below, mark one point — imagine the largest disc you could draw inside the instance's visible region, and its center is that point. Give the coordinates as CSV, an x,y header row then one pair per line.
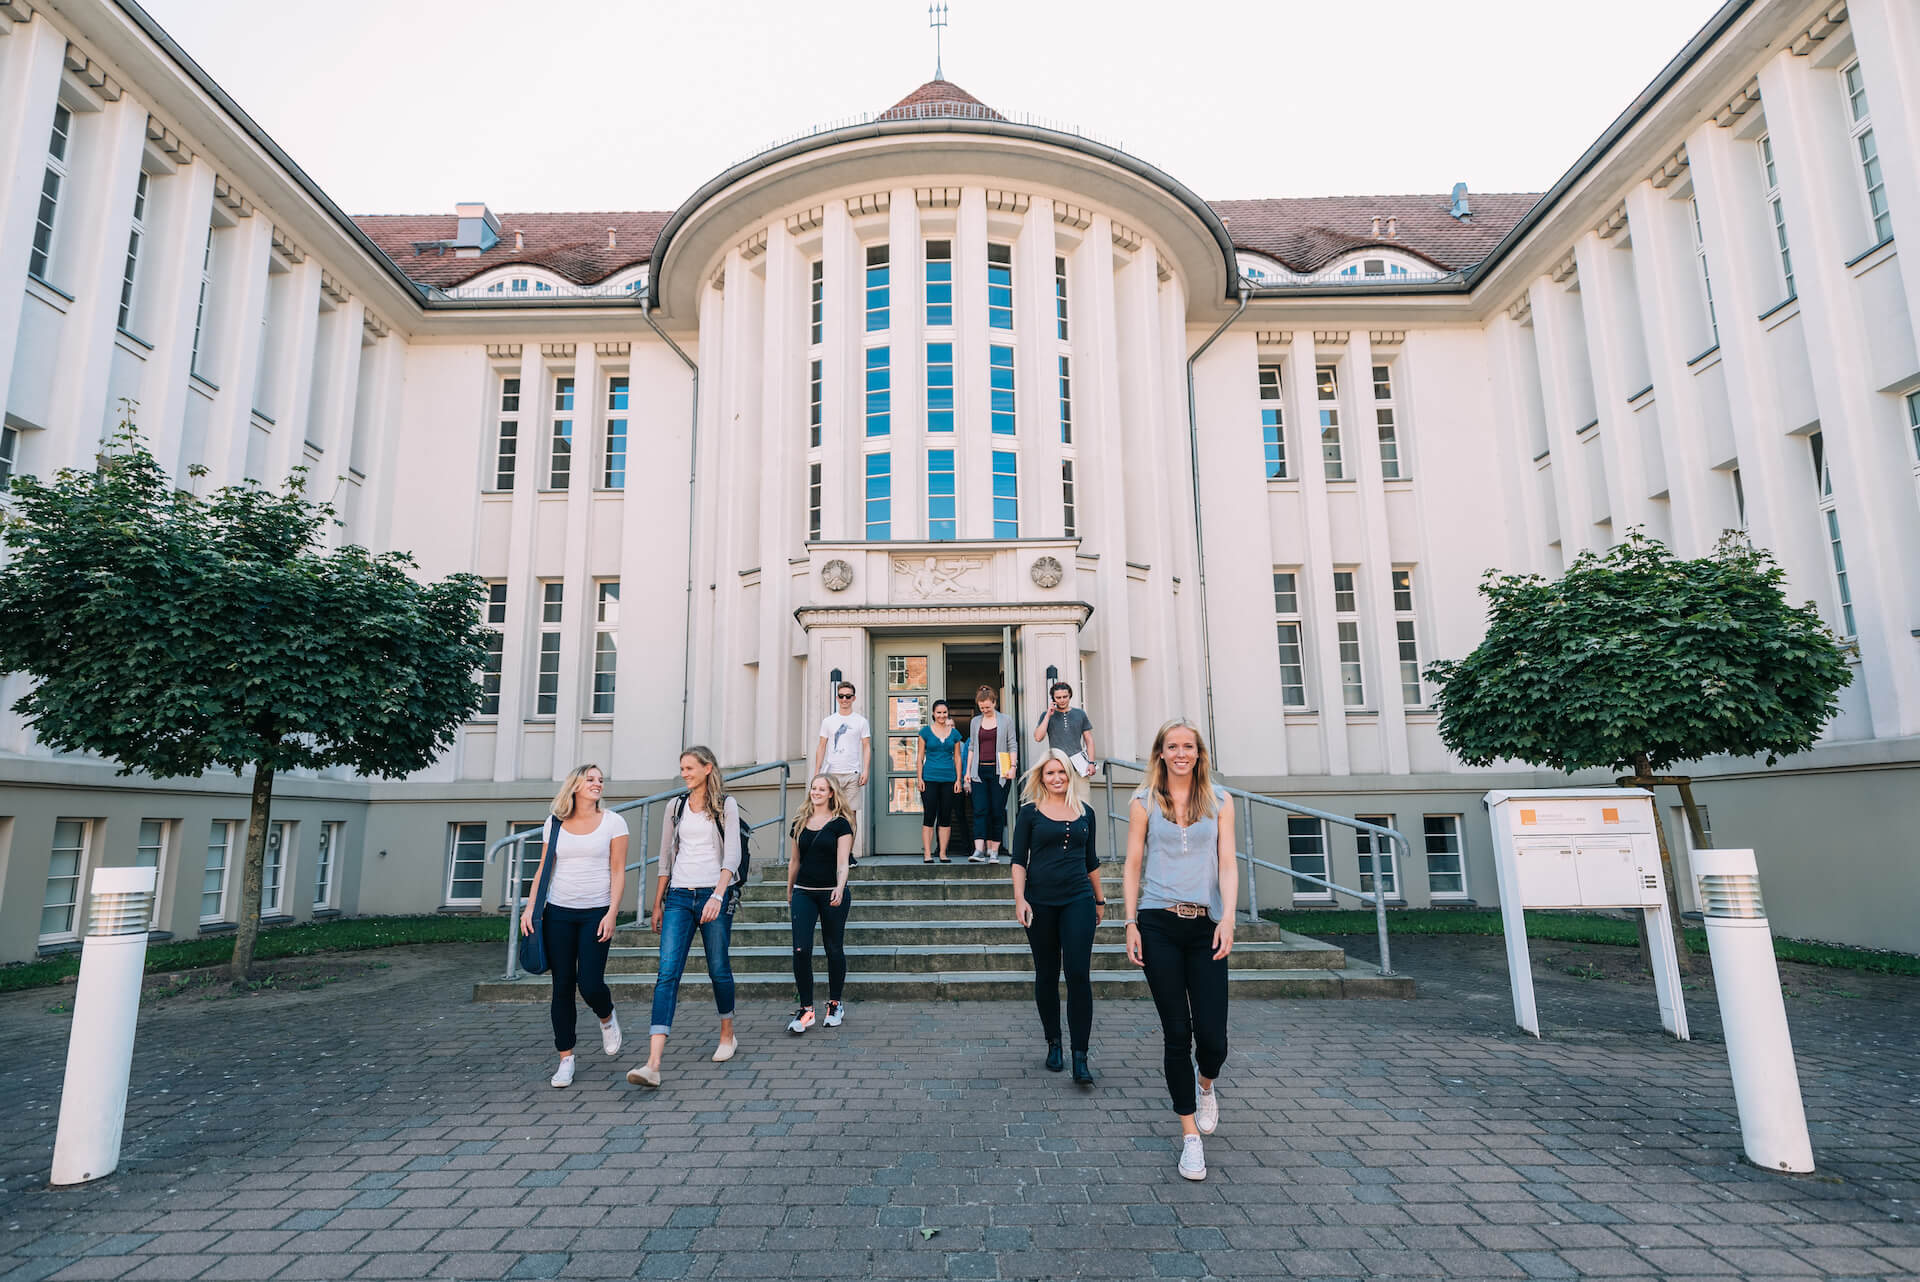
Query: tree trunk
x,y
1644,778
253,869
1694,825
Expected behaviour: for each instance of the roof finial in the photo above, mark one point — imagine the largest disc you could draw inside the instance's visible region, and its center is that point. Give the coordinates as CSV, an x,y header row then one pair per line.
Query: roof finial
x,y
937,19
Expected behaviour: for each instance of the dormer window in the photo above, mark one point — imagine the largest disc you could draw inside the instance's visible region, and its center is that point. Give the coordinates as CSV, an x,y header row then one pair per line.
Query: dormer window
x,y
1373,267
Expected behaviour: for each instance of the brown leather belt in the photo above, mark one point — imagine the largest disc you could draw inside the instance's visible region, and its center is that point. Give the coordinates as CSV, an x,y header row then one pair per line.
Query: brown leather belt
x,y
1187,912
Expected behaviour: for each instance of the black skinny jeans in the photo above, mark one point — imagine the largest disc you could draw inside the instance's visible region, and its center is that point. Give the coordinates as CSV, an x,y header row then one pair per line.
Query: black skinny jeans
x,y
579,960
809,906
939,803
1062,935
1190,989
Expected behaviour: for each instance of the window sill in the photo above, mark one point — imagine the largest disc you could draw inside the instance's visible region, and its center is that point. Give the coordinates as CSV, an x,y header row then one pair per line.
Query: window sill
x,y
323,914
1642,392
204,381
1363,714
155,935
1450,901
1543,456
264,417
1342,480
312,448
1702,356
1398,482
57,947
132,337
1857,260
1788,301
275,919
216,927
39,286
474,909
1582,431
356,473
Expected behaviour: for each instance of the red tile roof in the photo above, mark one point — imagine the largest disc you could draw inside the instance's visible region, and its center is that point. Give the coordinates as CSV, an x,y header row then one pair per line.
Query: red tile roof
x,y
571,246
939,98
1305,233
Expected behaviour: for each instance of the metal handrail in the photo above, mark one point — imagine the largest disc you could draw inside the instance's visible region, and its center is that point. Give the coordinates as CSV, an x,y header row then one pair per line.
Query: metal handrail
x,y
1377,897
645,806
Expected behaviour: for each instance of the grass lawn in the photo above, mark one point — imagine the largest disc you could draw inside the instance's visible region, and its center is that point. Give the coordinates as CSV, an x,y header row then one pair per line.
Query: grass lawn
x,y
1579,928
302,940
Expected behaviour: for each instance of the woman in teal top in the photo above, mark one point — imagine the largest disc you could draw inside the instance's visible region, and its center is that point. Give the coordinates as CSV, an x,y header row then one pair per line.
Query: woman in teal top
x,y
943,762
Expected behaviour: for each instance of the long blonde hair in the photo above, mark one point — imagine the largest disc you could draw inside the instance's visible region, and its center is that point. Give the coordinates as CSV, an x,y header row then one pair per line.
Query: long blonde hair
x,y
837,807
563,800
1203,802
1033,789
715,801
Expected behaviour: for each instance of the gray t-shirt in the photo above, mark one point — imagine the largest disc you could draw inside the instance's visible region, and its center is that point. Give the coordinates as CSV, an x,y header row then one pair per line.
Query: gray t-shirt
x,y
1064,731
1182,865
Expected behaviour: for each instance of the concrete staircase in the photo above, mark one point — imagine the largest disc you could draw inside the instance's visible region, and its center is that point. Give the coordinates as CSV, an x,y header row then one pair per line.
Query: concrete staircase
x,y
920,932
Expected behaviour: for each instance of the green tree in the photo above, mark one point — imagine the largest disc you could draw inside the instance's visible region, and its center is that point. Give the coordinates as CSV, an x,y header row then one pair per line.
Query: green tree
x,y
1637,660
176,634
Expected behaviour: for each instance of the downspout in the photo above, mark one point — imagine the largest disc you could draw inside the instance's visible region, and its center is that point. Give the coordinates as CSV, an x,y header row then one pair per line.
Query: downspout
x,y
1199,527
693,472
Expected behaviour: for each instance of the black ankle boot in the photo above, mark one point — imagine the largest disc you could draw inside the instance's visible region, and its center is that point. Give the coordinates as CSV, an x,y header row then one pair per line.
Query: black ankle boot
x,y
1055,1063
1082,1075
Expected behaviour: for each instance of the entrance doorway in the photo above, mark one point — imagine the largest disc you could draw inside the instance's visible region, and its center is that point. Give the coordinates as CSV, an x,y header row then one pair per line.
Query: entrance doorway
x,y
910,673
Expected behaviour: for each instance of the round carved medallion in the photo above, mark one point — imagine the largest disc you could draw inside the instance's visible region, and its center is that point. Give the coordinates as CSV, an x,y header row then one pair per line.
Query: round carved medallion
x,y
837,575
1047,573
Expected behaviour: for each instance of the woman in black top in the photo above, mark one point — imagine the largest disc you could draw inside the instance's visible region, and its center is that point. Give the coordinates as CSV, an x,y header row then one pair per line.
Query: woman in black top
x,y
1058,898
817,891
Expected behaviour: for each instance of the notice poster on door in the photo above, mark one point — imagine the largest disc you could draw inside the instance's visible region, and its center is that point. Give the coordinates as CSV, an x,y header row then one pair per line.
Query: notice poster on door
x,y
904,712
907,672
903,754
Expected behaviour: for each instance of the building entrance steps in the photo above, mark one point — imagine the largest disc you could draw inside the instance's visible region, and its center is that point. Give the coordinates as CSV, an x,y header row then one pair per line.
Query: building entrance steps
x,y
920,932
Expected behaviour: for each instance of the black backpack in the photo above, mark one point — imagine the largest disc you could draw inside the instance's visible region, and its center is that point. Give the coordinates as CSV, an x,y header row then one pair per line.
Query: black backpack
x,y
732,901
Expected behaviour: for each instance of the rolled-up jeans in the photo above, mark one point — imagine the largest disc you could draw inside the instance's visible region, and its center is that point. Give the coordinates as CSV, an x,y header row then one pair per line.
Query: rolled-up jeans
x,y
679,918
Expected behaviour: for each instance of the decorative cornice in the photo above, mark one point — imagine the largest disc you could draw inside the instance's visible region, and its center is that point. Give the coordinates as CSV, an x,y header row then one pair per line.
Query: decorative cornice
x,y
1614,223
806,220
1739,105
974,613
1127,238
224,193
1330,337
1072,216
92,74
936,197
168,141
1520,309
283,245
1008,202
1161,268
17,10
557,351
613,349
754,246
1669,170
1565,269
503,351
332,288
1272,337
719,278
1821,28
877,203
374,325
1386,337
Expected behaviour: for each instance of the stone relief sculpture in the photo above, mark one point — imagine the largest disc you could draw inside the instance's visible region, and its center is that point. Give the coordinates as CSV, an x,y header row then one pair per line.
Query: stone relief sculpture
x,y
934,577
1046,572
837,575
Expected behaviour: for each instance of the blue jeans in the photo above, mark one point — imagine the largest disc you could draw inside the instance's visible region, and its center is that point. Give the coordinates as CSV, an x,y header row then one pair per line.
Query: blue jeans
x,y
679,917
989,800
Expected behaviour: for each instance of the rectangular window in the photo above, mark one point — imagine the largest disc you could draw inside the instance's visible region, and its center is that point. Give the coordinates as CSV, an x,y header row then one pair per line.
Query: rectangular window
x,y
1739,496
151,852
1066,400
813,501
1006,494
546,698
1403,626
1307,853
1286,616
879,496
939,284
495,616
66,865
817,300
131,271
942,522
1000,389
40,258
606,649
1913,430
879,289
1706,278
939,387
200,308
1390,468
506,453
1327,391
1830,523
1060,295
528,853
213,878
1273,428
1446,861
466,862
1346,622
613,475
1860,129
1374,849
815,404
560,457
273,871
1000,286
1776,212
325,867
879,391
1068,509
9,455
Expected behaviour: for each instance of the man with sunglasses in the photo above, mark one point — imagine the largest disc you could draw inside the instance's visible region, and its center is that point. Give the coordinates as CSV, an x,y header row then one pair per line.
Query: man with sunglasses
x,y
845,751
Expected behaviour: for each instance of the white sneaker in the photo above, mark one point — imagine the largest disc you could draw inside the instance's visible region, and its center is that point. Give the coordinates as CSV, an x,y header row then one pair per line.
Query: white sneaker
x,y
1193,1158
563,1076
836,1011
1206,1112
994,858
610,1034
802,1020
977,857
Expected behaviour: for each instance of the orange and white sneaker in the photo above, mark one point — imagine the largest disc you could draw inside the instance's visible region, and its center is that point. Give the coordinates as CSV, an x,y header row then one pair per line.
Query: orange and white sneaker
x,y
836,1011
802,1020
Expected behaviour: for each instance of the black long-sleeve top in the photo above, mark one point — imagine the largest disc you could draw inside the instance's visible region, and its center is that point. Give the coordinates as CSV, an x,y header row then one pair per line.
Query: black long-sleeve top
x,y
1057,856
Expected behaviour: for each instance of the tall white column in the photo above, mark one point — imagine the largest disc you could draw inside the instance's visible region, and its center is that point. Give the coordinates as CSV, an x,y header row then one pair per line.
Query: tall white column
x,y
1887,37
1609,330
33,57
1105,460
908,366
783,478
176,240
1555,335
1316,560
576,662
1037,373
1376,554
1528,535
523,590
972,408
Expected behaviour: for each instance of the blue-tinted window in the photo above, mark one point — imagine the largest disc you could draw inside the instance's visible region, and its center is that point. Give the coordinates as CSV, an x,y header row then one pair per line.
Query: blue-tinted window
x,y
1006,495
813,405
1060,295
878,291
941,522
939,283
1066,401
614,474
1273,436
1000,286
939,387
1000,381
817,300
879,392
879,496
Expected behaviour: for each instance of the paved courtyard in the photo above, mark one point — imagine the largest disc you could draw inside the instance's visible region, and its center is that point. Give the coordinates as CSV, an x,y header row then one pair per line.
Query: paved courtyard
x,y
388,1127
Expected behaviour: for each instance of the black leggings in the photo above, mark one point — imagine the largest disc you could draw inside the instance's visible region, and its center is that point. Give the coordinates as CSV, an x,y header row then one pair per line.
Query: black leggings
x,y
939,804
808,907
579,960
1062,935
1190,989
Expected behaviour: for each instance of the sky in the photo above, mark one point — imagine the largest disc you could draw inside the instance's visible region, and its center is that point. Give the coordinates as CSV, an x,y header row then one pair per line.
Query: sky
x,y
409,106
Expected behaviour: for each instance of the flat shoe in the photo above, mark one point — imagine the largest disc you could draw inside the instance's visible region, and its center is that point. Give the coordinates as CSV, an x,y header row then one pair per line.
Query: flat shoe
x,y
725,1050
644,1076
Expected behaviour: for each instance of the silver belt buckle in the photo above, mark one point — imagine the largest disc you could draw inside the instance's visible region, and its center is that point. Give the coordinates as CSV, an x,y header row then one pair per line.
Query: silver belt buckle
x,y
1187,912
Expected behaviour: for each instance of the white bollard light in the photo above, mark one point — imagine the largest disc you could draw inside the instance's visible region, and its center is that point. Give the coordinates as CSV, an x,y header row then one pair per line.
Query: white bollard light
x,y
1766,1085
106,1004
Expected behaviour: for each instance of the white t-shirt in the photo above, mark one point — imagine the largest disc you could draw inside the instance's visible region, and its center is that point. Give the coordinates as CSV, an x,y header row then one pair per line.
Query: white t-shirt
x,y
583,865
844,732
696,860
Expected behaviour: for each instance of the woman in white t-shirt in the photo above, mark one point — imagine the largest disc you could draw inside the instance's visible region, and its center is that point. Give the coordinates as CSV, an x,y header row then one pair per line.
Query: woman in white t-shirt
x,y
589,873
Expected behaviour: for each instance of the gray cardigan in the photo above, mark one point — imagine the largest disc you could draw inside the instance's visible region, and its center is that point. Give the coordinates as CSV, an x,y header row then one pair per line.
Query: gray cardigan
x,y
670,839
1006,737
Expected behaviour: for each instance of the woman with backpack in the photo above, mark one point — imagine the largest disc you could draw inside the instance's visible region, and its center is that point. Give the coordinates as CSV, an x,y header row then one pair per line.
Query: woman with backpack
x,y
700,855
817,891
588,850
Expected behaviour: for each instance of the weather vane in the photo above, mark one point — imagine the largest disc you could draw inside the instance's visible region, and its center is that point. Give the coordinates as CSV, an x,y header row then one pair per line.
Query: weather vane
x,y
937,19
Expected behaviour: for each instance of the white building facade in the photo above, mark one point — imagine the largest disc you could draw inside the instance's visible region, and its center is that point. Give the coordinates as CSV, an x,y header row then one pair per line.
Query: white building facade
x,y
944,399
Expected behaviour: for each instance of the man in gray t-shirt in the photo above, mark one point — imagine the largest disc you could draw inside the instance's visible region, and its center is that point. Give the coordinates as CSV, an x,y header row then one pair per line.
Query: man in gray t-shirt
x,y
1066,727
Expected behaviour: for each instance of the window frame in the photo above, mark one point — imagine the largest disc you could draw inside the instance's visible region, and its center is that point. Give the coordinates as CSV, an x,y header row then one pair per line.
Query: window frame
x,y
326,868
877,283
877,496
1866,152
1326,394
551,641
225,828
1000,286
1348,638
458,829
1060,297
1003,405
506,447
530,853
162,852
1839,577
937,293
1301,828
1698,232
1371,851
1386,424
1287,617
942,397
1406,635
493,617
816,302
1459,837
943,528
1273,419
1005,473
136,237
878,404
9,454
560,435
613,435
1776,212
816,401
200,308
83,856
1069,504
282,836
41,253
606,649
814,469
